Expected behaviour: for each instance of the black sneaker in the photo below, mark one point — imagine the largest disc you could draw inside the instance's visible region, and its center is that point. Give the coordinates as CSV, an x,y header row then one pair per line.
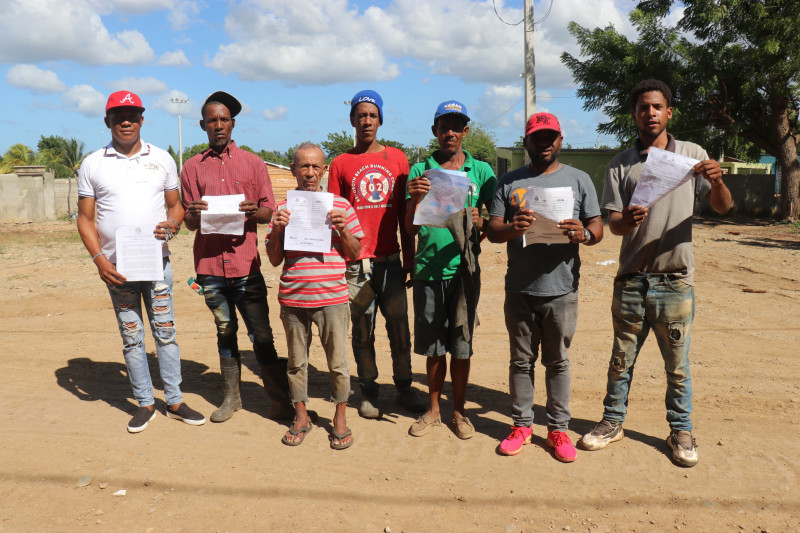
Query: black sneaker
x,y
412,399
186,414
140,419
603,434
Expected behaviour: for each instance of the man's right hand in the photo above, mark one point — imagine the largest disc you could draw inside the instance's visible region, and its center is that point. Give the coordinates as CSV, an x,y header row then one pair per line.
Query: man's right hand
x,y
418,188
522,220
280,219
196,207
634,215
108,272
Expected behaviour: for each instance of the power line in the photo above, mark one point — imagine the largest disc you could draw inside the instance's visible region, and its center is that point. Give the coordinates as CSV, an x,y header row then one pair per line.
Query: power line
x,y
545,17
504,112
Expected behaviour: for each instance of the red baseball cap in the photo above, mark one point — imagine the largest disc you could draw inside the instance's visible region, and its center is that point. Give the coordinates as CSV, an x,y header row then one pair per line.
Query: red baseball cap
x,y
542,121
124,99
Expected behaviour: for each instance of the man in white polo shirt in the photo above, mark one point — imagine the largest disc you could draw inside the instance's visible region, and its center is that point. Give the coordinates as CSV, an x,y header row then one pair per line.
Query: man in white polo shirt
x,y
132,183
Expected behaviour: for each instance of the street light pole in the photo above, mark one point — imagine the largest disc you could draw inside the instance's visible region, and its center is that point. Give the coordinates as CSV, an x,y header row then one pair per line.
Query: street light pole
x,y
180,136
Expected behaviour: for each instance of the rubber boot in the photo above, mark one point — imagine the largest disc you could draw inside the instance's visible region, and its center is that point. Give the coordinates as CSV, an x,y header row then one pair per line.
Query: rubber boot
x,y
276,383
231,369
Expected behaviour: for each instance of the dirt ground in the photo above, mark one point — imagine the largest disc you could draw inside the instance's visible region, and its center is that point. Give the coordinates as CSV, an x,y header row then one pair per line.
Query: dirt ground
x,y
67,400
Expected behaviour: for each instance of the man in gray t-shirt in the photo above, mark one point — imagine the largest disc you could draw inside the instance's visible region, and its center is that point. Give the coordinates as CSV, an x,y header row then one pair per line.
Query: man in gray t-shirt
x,y
654,286
541,306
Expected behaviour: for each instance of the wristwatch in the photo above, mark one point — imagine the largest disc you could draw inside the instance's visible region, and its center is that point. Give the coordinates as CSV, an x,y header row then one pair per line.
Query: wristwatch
x,y
589,236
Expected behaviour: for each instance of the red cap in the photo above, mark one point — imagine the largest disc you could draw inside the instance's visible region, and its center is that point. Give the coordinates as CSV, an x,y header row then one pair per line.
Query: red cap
x,y
542,121
124,99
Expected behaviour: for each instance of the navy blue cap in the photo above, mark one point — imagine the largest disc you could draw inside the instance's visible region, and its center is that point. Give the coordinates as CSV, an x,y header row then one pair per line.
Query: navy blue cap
x,y
369,96
451,107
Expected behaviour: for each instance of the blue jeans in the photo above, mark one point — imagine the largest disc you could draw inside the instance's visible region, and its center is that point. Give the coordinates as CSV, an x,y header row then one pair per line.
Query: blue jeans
x,y
382,288
665,304
248,294
549,322
127,301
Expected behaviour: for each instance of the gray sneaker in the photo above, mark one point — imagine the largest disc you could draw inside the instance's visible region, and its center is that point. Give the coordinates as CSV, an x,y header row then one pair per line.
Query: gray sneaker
x,y
684,447
369,407
603,434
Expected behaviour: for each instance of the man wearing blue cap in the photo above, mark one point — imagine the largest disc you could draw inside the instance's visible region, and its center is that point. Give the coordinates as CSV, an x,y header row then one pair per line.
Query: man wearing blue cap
x,y
446,272
372,177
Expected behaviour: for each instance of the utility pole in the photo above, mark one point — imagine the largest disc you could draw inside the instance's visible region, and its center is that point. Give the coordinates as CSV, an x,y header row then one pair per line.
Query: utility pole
x,y
530,71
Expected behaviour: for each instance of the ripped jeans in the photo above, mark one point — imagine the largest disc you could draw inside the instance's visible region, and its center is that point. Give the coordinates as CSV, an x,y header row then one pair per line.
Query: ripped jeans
x,y
665,304
157,295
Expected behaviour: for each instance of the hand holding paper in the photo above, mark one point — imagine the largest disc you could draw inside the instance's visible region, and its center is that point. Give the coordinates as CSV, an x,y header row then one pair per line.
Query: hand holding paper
x,y
447,195
222,215
663,172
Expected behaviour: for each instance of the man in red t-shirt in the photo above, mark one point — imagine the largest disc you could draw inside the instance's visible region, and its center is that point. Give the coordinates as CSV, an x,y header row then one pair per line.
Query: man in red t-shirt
x,y
372,177
228,266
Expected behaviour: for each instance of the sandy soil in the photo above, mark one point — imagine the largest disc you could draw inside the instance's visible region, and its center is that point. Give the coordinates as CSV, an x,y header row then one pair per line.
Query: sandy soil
x,y
67,400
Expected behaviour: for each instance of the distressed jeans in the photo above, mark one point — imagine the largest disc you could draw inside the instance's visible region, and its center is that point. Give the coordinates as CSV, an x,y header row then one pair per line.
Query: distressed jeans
x,y
549,322
665,304
127,301
383,288
248,294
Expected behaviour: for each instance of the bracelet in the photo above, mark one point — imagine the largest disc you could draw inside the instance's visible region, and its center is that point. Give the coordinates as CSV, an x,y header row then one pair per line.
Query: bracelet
x,y
95,256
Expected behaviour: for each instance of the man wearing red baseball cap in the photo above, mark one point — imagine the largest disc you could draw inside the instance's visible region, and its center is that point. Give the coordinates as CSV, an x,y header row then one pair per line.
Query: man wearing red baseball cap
x,y
541,307
132,183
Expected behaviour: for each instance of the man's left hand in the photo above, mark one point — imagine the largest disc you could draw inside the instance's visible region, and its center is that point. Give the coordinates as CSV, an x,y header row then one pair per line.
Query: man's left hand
x,y
710,170
573,229
166,230
248,207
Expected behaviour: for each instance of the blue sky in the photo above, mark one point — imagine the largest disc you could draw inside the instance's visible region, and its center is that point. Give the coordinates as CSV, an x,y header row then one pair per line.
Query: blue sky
x,y
292,64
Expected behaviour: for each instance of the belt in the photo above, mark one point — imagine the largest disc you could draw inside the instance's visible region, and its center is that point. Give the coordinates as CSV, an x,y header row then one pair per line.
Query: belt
x,y
386,258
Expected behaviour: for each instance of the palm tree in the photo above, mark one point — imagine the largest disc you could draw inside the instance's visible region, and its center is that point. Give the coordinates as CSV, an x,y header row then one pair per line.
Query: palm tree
x,y
72,157
17,156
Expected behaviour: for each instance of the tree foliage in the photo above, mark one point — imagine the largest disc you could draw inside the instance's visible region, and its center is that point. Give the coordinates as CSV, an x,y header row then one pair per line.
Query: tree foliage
x,y
480,142
734,68
17,155
337,143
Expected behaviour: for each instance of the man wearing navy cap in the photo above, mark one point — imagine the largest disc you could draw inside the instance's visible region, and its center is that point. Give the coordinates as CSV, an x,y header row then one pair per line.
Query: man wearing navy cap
x,y
372,177
132,183
229,266
541,306
446,272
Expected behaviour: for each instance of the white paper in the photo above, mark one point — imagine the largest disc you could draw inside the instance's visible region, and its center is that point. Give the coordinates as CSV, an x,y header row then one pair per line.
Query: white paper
x,y
223,215
448,195
139,254
662,173
309,229
550,206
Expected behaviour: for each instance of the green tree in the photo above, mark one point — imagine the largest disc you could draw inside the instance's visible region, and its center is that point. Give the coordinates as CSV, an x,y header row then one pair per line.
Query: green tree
x,y
480,142
191,151
734,66
17,155
337,143
64,156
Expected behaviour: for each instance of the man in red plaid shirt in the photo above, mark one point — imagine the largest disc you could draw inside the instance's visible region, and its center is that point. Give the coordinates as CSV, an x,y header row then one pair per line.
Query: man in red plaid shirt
x,y
228,266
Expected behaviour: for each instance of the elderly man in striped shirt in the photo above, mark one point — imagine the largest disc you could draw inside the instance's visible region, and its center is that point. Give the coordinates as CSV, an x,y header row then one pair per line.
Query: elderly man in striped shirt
x,y
313,289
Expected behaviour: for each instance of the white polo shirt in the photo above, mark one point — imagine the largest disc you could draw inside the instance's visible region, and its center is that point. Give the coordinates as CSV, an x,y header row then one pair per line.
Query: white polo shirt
x,y
127,190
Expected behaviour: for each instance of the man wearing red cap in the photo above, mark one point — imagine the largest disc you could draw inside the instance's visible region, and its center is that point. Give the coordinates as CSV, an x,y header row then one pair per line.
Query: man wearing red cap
x,y
132,183
541,307
372,177
229,266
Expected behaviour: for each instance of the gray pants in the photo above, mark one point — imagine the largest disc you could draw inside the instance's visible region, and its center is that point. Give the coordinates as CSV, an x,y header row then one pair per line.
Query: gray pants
x,y
550,322
332,322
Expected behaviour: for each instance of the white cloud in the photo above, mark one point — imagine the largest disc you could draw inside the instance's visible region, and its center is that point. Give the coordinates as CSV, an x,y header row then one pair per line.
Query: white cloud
x,y
496,104
170,102
317,43
34,79
140,86
174,59
38,30
182,12
85,99
279,113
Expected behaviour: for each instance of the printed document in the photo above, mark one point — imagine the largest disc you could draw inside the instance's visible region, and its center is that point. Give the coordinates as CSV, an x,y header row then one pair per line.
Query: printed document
x,y
223,215
309,229
663,172
448,195
139,254
550,206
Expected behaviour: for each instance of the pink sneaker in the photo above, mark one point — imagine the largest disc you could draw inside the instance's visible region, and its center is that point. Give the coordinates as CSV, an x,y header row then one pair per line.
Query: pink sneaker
x,y
562,446
519,437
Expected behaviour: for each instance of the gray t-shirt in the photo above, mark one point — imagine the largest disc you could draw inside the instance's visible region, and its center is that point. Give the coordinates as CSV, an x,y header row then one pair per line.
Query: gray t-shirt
x,y
543,269
663,242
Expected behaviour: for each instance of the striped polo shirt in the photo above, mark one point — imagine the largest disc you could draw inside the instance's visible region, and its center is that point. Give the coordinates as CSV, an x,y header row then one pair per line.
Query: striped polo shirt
x,y
313,279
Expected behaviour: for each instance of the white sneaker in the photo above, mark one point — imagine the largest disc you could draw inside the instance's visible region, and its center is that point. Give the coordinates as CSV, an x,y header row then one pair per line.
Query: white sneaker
x,y
684,447
603,434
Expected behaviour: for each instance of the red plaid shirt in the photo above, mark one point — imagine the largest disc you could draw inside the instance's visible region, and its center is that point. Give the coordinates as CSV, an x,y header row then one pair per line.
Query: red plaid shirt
x,y
235,171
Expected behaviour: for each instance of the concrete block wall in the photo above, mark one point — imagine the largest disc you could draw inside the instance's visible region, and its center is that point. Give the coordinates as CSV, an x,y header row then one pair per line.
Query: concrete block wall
x,y
61,190
27,195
